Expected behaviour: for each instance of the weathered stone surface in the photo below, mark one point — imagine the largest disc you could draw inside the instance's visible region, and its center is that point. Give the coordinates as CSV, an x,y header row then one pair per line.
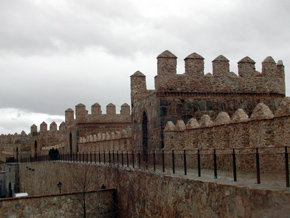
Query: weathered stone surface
x,y
169,126
66,205
205,121
141,193
240,115
222,118
262,111
180,125
284,108
192,124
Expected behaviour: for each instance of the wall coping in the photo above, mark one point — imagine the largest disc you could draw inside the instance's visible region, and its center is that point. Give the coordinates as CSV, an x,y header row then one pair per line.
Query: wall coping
x,y
56,195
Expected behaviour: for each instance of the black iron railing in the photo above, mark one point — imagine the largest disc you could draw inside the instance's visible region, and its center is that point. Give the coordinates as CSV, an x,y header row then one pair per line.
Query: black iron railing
x,y
267,165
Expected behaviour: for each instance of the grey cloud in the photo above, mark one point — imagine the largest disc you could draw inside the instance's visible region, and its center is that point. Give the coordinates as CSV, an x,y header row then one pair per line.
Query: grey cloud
x,y
52,57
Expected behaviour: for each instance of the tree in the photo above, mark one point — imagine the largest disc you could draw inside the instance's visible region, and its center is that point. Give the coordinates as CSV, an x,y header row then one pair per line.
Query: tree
x,y
83,179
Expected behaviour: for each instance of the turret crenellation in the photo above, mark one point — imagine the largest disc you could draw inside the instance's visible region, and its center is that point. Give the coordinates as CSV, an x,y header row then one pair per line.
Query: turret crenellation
x,y
248,80
111,109
220,66
166,64
96,108
194,65
246,67
43,127
81,112
138,84
269,67
69,116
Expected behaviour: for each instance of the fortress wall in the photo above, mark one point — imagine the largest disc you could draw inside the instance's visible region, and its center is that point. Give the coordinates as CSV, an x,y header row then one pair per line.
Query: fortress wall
x,y
249,134
148,194
105,142
98,203
262,129
270,80
146,106
82,116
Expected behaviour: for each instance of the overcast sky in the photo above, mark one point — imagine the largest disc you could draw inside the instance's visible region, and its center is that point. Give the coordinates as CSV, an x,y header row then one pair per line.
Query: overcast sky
x,y
55,54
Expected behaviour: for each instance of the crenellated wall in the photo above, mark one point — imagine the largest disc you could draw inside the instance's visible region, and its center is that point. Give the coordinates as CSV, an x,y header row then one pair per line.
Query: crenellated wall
x,y
270,80
261,129
14,146
82,116
193,94
109,141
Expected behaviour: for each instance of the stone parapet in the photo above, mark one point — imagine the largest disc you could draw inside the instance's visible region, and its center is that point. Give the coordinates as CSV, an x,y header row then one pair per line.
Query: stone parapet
x,y
109,141
261,129
270,80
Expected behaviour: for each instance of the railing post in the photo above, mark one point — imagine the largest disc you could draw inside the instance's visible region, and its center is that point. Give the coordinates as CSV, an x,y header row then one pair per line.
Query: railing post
x,y
154,161
258,166
95,154
198,163
286,167
113,157
122,157
127,159
109,157
117,157
99,156
133,159
214,164
173,162
104,157
234,166
139,160
163,162
184,162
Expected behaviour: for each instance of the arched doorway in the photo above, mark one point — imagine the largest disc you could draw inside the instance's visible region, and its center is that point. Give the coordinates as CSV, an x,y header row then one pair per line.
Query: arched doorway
x,y
70,143
53,154
145,136
35,149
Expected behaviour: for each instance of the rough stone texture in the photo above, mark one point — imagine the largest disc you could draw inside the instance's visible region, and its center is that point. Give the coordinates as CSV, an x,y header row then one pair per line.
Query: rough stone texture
x,y
180,125
222,118
142,194
193,94
262,111
205,121
169,126
192,124
284,108
240,115
99,204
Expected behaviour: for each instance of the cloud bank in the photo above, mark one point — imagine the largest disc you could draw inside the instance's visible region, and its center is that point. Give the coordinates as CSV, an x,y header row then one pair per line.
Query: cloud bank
x,y
56,54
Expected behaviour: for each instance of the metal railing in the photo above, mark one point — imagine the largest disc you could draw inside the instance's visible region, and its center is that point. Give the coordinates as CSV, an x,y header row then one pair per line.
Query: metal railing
x,y
267,165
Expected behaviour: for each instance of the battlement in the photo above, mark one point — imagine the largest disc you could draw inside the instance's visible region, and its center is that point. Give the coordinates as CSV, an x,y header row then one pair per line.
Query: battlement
x,y
108,141
43,128
249,81
262,128
82,116
12,139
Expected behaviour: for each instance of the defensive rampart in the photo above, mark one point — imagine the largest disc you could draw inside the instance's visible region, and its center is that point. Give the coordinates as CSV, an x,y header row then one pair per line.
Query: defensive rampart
x,y
98,203
262,129
143,193
109,141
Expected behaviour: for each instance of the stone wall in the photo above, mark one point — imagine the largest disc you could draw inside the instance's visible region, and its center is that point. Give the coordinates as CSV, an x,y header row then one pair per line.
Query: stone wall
x,y
99,204
143,193
109,141
193,94
270,80
261,129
